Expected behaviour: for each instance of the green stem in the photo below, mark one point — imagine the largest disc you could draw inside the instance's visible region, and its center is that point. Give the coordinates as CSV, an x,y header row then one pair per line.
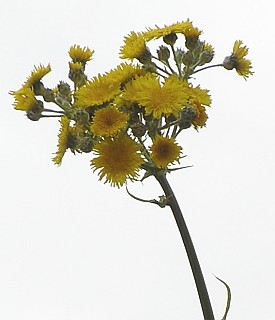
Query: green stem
x,y
176,61
189,247
208,67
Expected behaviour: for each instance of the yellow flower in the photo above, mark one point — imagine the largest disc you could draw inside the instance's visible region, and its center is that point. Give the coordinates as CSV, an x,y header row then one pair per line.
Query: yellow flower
x,y
237,61
108,122
157,99
202,117
184,27
192,32
79,54
131,92
207,47
125,72
63,137
198,98
165,151
24,99
134,46
118,159
36,75
96,92
198,94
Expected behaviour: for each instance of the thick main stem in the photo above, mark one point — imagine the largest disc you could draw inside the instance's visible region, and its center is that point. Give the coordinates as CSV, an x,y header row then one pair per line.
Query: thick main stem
x,y
189,247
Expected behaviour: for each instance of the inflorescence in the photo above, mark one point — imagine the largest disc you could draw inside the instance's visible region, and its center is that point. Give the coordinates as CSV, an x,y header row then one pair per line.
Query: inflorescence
x,y
131,116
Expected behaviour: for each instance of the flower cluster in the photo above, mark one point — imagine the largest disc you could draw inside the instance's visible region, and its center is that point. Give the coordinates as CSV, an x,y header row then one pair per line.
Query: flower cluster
x,y
131,116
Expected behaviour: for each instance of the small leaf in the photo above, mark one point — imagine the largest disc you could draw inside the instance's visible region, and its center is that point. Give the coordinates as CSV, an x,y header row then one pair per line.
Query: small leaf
x,y
228,298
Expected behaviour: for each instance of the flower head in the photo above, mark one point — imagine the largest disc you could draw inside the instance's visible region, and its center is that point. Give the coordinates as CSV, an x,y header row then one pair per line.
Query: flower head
x,y
207,53
197,94
191,32
96,92
134,46
24,99
157,99
79,54
36,75
184,27
108,122
165,151
201,117
207,47
238,61
63,137
124,72
118,160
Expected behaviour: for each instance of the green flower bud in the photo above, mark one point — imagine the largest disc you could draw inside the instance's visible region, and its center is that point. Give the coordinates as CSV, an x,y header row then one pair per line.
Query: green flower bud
x,y
188,59
48,95
72,141
146,57
170,39
192,43
38,88
187,116
178,55
138,130
206,57
86,144
64,90
82,117
163,53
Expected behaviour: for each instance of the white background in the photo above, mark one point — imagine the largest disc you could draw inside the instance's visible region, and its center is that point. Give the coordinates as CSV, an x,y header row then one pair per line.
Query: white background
x,y
73,248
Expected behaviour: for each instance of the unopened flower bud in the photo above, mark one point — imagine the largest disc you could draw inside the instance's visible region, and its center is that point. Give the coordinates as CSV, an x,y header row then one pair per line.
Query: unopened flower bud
x,y
187,116
188,59
86,144
163,53
170,39
72,141
64,89
191,43
206,57
38,88
81,117
48,95
138,130
146,57
178,55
